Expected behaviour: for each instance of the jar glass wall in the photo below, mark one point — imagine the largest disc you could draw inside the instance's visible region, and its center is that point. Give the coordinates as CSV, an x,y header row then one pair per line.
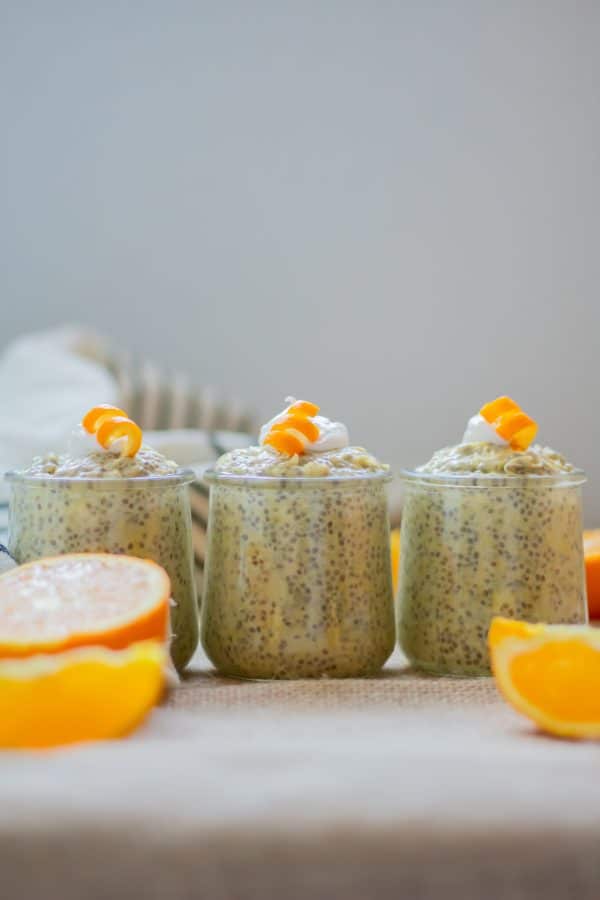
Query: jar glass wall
x,y
145,517
298,577
478,546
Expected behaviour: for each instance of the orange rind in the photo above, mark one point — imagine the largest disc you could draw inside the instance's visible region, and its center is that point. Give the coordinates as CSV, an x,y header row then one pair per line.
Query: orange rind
x,y
292,433
110,424
549,673
298,423
82,599
94,418
304,407
120,428
84,694
591,552
285,442
510,422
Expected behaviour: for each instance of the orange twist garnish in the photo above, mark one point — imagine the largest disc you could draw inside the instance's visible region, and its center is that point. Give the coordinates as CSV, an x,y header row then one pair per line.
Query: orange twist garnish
x,y
292,433
298,423
94,418
117,428
109,423
510,422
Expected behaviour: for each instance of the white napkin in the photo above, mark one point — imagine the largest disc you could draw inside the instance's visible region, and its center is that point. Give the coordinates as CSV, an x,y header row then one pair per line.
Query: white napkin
x,y
48,379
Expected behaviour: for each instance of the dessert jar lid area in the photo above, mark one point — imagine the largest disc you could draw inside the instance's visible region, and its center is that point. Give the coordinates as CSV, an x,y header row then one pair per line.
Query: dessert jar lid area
x,y
141,482
277,482
486,480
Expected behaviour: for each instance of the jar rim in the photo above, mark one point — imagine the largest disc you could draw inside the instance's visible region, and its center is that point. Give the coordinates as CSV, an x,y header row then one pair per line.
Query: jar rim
x,y
180,476
214,476
492,479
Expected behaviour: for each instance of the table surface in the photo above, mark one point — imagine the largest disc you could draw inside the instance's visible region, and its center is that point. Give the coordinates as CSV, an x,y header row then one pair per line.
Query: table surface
x,y
402,785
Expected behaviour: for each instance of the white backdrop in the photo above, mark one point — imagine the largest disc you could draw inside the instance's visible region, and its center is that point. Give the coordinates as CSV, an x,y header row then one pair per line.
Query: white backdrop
x,y
391,208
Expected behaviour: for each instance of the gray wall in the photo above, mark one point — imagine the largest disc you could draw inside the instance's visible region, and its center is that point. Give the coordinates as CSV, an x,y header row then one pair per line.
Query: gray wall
x,y
392,208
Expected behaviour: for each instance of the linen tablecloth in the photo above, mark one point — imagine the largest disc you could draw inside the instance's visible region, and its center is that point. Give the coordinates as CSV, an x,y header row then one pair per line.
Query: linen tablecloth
x,y
400,786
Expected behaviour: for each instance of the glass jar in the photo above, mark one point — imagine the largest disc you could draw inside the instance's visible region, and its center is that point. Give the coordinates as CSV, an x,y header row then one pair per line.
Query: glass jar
x,y
298,577
478,546
147,517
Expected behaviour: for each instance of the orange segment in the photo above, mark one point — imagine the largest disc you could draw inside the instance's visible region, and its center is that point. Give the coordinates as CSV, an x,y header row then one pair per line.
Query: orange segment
x,y
591,552
304,407
94,418
517,428
81,695
113,429
493,410
298,423
551,674
82,599
287,442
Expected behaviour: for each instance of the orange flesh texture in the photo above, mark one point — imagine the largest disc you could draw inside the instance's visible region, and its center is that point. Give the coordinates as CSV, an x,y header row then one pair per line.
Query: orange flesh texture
x,y
79,600
304,407
86,694
591,551
517,428
115,428
285,442
298,423
562,678
493,410
99,414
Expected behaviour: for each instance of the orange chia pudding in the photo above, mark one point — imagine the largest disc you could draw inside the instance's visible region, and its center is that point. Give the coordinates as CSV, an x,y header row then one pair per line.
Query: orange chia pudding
x,y
94,499
298,576
488,528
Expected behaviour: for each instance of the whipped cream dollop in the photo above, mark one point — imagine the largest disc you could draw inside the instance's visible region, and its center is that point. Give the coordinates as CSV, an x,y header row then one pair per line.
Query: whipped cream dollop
x,y
478,430
80,443
332,435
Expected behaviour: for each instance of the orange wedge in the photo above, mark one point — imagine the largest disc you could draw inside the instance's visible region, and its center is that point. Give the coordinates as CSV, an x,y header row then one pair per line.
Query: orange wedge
x,y
85,694
298,423
82,599
550,673
591,552
94,418
304,407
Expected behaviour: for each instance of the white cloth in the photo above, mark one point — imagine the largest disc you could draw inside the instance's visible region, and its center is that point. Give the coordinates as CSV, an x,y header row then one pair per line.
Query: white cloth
x,y
48,380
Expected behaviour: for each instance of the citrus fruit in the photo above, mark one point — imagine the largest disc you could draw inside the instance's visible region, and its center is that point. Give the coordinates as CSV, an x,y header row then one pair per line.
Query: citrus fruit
x,y
84,694
591,552
550,673
82,599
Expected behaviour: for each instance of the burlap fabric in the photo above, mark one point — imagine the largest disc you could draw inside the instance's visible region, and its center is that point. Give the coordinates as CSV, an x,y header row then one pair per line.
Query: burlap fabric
x,y
398,787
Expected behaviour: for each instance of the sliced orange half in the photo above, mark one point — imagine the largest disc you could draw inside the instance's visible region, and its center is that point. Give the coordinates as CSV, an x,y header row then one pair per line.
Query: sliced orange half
x,y
85,694
120,428
94,418
591,552
550,673
82,599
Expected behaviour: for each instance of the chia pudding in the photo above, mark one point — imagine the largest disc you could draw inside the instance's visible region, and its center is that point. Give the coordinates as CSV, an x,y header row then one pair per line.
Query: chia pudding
x,y
298,578
102,502
487,530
